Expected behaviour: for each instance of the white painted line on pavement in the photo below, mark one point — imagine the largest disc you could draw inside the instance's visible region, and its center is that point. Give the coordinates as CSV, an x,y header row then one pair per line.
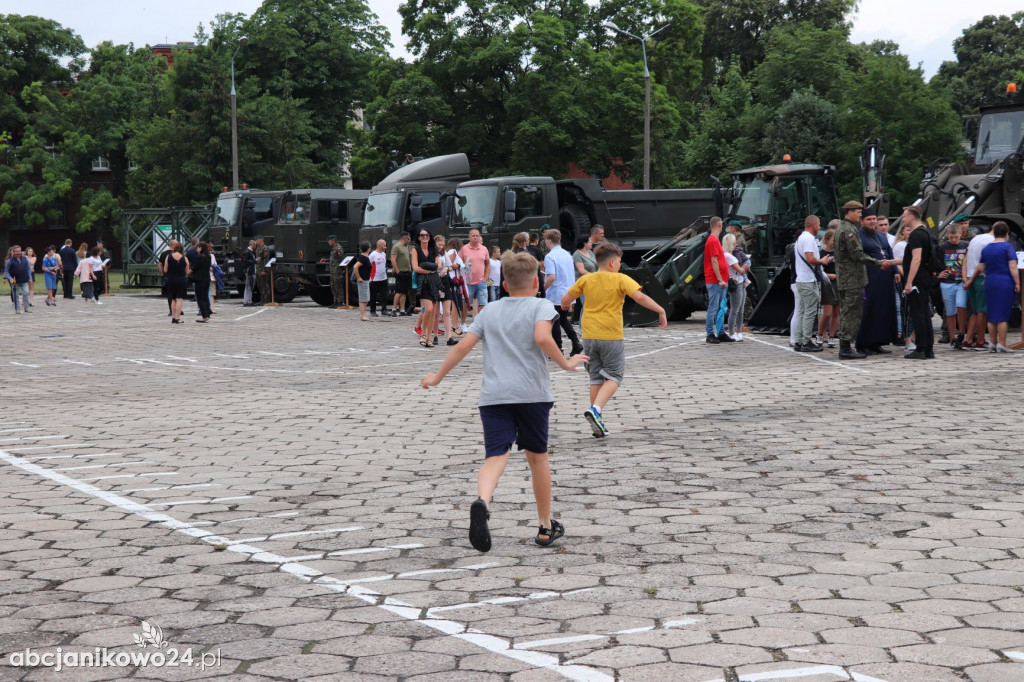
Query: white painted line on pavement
x,y
237,357
182,503
172,487
175,357
281,355
503,600
1015,655
810,671
76,362
497,645
559,640
102,454
150,473
260,518
809,356
12,430
371,550
22,364
8,440
103,466
261,310
667,625
279,536
399,576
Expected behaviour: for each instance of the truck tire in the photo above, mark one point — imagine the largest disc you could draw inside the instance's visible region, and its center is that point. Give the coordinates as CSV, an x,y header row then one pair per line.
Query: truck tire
x,y
285,289
681,311
321,295
573,222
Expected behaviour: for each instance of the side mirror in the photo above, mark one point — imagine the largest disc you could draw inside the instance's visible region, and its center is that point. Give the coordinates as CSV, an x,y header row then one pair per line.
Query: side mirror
x,y
509,216
510,203
415,200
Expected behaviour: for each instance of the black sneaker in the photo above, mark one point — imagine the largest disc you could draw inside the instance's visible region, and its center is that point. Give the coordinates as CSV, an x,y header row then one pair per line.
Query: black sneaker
x,y
373,315
958,342
479,533
725,338
452,342
394,313
712,339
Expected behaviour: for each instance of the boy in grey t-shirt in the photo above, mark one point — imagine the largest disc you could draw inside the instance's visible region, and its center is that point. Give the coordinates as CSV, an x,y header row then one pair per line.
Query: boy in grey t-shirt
x,y
515,393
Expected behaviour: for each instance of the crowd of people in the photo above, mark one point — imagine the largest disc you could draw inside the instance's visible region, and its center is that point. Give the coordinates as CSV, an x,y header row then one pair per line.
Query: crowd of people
x,y
196,265
868,289
61,266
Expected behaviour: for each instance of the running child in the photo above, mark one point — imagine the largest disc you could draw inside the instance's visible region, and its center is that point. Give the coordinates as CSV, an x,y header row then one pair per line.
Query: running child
x,y
515,392
603,294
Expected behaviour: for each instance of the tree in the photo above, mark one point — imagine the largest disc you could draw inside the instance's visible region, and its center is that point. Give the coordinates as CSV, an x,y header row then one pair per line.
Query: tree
x,y
806,127
921,128
989,55
802,56
721,142
735,29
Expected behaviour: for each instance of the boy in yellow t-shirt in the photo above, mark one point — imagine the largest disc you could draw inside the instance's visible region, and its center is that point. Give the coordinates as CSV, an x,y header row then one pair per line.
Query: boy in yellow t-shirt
x,y
603,294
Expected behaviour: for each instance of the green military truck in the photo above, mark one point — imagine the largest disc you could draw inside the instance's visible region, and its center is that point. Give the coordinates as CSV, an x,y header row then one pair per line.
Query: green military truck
x,y
636,220
771,203
298,239
238,216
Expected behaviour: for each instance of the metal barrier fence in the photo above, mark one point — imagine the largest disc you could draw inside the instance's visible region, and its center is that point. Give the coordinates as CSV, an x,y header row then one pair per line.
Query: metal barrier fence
x,y
148,231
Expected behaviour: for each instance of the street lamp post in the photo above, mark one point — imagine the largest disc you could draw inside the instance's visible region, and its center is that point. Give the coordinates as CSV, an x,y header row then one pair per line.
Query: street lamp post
x,y
234,116
647,94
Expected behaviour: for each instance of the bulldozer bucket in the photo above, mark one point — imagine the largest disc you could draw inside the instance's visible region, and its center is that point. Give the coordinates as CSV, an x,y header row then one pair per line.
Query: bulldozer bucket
x,y
635,315
773,312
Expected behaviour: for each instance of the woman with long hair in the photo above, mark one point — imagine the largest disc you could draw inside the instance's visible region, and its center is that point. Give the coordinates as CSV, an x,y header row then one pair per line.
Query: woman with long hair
x,y
177,270
30,255
426,262
51,273
737,288
83,253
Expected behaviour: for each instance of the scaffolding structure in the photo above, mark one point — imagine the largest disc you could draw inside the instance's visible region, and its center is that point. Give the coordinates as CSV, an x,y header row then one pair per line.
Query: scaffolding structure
x,y
148,232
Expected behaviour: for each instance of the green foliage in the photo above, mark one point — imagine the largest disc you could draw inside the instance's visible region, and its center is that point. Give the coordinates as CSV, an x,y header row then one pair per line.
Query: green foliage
x,y
802,56
889,100
720,143
989,55
806,127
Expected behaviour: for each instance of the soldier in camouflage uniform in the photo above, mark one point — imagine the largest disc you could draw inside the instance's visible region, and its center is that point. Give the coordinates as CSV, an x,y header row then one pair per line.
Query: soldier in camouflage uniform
x,y
337,274
262,276
101,277
851,278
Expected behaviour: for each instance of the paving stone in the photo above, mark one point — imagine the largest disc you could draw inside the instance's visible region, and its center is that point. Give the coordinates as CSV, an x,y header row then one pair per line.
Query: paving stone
x,y
906,672
996,672
769,638
719,655
405,663
944,655
873,637
299,666
678,672
837,654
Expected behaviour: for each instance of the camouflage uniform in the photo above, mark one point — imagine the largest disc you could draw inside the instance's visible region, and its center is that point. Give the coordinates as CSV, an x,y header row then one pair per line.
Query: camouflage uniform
x,y
262,276
337,275
851,278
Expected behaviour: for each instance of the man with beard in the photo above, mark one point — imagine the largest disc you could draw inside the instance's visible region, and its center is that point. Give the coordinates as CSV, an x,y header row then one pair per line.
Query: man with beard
x,y
878,322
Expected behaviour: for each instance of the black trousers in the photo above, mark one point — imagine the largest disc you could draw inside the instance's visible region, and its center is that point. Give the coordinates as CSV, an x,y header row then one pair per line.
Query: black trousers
x,y
68,283
203,297
920,314
565,324
379,291
101,283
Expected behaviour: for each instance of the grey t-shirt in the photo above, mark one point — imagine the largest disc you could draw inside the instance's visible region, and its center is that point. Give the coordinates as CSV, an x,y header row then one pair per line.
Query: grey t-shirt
x,y
515,368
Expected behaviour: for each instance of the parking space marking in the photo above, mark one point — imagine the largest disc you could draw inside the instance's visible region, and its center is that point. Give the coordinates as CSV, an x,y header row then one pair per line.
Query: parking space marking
x,y
795,673
667,625
279,536
497,645
182,503
503,600
809,356
279,515
102,454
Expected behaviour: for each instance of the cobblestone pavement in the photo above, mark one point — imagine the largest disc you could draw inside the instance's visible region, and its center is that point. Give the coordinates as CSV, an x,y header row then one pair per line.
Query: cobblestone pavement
x,y
275,494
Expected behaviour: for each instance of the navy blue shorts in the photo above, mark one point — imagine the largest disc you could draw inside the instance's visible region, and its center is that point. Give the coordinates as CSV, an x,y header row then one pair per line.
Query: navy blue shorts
x,y
525,424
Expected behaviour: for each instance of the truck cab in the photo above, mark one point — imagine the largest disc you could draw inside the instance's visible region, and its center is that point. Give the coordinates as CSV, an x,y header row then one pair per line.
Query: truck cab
x,y
501,207
239,216
298,239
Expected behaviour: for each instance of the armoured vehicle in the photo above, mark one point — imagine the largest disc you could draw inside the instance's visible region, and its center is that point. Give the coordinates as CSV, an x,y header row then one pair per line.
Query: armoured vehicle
x,y
238,216
298,239
771,203
636,220
413,196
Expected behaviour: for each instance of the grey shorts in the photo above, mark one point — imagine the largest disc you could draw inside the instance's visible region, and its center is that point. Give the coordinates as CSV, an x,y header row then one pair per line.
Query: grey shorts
x,y
364,291
607,360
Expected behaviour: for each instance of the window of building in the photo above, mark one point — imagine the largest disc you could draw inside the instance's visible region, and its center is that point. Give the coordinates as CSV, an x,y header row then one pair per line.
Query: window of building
x,y
101,163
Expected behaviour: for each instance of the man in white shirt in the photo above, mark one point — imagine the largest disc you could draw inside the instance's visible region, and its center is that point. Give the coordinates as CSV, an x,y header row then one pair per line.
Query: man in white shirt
x,y
379,279
805,256
559,275
974,282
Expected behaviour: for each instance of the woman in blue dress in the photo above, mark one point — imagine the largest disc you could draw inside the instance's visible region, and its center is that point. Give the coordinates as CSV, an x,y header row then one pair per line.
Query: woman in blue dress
x,y
51,269
1002,283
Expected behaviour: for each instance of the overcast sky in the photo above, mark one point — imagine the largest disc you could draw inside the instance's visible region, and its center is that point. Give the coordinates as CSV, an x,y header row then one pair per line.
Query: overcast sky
x,y
924,29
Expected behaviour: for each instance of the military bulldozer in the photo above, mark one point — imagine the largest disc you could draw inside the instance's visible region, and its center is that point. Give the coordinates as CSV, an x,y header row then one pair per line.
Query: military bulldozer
x,y
770,203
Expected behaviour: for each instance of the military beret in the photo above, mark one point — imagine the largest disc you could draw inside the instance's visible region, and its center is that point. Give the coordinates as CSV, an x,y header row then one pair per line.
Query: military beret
x,y
332,236
962,218
98,242
735,222
851,205
259,236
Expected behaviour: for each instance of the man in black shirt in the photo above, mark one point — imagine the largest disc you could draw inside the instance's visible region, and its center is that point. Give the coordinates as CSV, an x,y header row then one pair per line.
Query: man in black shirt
x,y
68,264
917,261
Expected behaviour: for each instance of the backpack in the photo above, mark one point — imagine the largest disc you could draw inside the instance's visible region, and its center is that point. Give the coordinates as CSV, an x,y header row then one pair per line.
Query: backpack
x,y
937,263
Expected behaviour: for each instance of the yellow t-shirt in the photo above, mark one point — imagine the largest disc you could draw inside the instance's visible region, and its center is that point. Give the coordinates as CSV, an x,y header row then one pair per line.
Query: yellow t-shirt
x,y
603,293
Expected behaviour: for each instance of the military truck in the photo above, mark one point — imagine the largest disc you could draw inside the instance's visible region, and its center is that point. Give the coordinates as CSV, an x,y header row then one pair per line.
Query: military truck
x,y
636,220
989,186
238,216
413,196
771,203
298,239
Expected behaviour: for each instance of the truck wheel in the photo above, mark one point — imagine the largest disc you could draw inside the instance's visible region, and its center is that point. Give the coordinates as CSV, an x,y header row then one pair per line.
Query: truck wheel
x,y
680,311
573,222
285,289
321,295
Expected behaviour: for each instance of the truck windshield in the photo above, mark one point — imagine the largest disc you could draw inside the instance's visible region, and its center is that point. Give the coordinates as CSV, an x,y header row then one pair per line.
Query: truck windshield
x,y
382,210
475,205
751,200
227,211
999,135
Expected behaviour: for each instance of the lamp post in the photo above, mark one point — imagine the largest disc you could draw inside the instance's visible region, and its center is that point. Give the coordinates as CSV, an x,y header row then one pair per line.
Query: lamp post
x,y
647,94
242,42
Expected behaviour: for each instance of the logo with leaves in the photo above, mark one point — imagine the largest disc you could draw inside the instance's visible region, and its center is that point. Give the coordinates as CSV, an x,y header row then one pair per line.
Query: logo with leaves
x,y
151,634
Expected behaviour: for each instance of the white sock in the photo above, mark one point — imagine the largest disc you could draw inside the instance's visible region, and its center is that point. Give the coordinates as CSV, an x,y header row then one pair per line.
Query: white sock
x,y
595,408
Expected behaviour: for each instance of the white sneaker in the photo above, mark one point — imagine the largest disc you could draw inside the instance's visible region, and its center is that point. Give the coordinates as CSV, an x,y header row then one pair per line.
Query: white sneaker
x,y
463,328
98,302
738,336
831,342
911,347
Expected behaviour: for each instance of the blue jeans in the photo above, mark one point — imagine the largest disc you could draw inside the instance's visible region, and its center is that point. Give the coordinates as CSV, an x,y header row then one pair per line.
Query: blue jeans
x,y
716,310
21,289
478,293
